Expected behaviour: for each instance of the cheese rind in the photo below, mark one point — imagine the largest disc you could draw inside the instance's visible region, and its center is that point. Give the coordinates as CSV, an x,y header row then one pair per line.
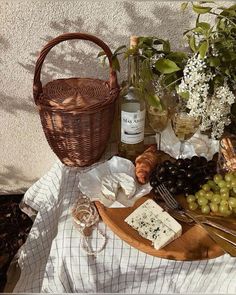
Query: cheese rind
x,y
110,187
154,224
113,182
127,183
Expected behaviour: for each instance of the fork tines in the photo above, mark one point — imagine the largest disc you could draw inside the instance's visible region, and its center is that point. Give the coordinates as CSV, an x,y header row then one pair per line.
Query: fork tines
x,y
167,197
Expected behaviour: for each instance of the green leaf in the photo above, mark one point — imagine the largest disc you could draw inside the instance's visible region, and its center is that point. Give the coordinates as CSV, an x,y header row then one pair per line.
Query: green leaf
x,y
201,9
145,40
203,49
205,2
154,101
115,64
119,48
148,53
214,61
205,26
166,46
166,66
198,30
192,43
184,6
177,56
101,53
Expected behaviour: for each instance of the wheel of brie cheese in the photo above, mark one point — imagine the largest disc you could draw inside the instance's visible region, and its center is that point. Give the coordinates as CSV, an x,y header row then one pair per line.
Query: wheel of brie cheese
x,y
113,182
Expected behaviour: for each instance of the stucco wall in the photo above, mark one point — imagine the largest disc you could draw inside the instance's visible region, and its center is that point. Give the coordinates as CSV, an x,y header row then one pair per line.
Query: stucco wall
x,y
25,27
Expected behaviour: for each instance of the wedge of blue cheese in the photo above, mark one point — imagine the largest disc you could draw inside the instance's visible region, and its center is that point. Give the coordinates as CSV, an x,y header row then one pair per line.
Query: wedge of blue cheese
x,y
154,224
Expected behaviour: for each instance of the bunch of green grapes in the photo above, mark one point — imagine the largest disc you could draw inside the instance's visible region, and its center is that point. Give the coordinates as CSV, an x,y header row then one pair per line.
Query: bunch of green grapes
x,y
217,195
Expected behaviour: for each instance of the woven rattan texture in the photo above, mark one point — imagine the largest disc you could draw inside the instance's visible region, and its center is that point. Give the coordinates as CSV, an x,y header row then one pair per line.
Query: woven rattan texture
x,y
76,113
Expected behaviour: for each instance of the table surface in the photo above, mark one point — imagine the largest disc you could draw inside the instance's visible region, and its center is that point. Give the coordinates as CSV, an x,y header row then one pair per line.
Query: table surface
x,y
52,260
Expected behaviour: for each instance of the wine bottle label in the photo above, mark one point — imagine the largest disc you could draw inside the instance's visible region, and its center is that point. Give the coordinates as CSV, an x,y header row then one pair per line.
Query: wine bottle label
x,y
132,127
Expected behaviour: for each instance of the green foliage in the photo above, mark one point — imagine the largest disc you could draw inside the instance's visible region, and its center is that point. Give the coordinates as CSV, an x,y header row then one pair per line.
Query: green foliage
x,y
157,62
215,43
166,66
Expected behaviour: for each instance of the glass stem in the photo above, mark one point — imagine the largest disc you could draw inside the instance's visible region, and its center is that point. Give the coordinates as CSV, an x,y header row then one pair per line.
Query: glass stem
x,y
181,149
158,140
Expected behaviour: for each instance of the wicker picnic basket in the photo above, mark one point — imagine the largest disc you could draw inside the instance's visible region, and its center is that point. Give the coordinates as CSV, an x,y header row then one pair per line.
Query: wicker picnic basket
x,y
76,113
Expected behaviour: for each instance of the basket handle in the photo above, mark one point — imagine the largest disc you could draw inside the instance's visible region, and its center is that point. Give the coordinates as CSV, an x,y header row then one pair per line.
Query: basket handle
x,y
37,86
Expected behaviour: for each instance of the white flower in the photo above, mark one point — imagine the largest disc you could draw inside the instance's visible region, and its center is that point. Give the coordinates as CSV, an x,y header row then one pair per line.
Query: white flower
x,y
214,110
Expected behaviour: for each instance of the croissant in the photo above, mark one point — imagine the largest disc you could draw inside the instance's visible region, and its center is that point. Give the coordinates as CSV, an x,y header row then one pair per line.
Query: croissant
x,y
145,163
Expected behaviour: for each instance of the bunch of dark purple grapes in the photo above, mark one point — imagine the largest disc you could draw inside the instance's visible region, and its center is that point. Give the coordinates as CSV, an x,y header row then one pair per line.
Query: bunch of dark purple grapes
x,y
184,175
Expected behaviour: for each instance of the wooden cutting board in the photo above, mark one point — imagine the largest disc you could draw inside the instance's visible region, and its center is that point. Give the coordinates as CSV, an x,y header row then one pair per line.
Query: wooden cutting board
x,y
194,244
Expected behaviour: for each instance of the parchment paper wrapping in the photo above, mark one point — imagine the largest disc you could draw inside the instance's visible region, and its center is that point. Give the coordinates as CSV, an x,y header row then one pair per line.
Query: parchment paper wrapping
x,y
199,145
90,182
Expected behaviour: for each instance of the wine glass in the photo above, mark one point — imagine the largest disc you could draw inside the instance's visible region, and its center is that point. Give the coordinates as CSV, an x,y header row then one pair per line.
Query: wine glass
x,y
184,127
158,120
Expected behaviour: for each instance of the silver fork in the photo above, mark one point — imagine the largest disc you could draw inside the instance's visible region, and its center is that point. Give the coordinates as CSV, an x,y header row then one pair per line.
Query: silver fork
x,y
174,205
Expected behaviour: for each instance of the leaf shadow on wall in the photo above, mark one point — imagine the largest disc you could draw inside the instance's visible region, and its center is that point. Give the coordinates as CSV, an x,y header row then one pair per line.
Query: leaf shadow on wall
x,y
12,104
165,22
68,59
4,45
9,103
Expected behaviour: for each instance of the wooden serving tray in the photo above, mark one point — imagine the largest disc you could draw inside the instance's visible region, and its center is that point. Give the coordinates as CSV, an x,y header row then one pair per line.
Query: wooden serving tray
x,y
194,244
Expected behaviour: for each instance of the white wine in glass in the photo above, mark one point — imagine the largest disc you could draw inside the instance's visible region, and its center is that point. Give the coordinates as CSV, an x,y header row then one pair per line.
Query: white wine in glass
x,y
158,120
184,126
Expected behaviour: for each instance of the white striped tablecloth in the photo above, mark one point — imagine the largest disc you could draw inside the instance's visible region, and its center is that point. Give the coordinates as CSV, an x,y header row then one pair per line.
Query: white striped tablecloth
x,y
51,260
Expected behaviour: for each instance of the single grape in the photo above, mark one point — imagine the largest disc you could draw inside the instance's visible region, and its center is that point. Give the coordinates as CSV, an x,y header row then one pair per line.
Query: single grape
x,y
232,202
206,187
202,161
222,183
193,206
173,190
197,195
170,182
224,190
217,178
223,209
212,184
205,209
229,177
233,183
154,182
167,163
216,199
209,195
228,213
202,201
202,193
214,207
224,203
180,163
225,196
228,185
191,198
161,170
195,161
